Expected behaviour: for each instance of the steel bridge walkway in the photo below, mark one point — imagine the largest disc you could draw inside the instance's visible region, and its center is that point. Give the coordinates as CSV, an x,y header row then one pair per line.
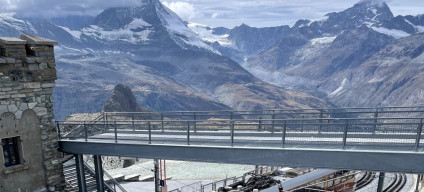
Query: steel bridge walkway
x,y
385,139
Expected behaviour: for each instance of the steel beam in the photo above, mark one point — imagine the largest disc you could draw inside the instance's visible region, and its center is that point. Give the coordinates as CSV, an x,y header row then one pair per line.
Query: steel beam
x,y
349,159
98,172
380,182
79,163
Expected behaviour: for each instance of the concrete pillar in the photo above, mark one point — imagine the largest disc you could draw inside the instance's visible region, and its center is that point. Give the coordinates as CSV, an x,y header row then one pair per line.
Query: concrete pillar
x,y
79,162
380,182
99,172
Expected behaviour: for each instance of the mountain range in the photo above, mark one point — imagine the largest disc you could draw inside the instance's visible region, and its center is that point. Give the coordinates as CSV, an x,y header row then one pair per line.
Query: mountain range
x,y
171,64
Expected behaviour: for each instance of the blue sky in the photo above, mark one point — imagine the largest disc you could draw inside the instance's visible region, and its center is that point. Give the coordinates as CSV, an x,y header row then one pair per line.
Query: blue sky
x,y
228,13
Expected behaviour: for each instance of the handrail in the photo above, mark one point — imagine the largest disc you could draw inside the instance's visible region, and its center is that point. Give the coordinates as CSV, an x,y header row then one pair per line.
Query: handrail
x,y
220,120
115,183
341,108
97,119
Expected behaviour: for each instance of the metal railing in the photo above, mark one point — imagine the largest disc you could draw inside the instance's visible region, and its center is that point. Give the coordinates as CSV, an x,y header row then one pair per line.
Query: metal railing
x,y
385,128
110,183
215,185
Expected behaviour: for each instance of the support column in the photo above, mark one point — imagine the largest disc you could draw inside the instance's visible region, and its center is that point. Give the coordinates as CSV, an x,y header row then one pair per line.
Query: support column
x,y
157,179
99,172
380,182
79,162
417,187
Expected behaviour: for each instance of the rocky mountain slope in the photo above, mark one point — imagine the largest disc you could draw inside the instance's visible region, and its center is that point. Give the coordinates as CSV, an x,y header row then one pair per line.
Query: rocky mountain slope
x,y
325,56
150,49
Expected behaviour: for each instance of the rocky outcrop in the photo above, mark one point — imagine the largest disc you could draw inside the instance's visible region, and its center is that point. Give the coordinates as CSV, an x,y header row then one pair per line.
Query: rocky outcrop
x,y
123,100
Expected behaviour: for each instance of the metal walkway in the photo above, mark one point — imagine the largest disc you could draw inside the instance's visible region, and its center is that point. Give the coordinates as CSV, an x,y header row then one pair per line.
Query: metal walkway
x,y
375,139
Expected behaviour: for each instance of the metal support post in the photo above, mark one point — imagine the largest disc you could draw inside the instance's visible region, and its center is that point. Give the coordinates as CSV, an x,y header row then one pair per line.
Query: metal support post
x,y
132,118
195,118
273,117
256,169
161,120
79,163
345,134
260,123
301,123
419,131
157,179
116,131
284,133
188,132
150,132
99,172
232,132
375,120
417,186
85,132
106,121
380,182
320,121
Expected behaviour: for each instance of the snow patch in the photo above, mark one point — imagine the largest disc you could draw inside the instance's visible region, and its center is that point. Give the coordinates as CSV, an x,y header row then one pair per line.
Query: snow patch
x,y
339,89
419,28
373,10
180,33
322,40
136,31
75,34
391,32
205,32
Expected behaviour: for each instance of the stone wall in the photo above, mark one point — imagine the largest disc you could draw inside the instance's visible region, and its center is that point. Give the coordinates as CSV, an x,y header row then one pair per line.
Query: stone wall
x,y
27,79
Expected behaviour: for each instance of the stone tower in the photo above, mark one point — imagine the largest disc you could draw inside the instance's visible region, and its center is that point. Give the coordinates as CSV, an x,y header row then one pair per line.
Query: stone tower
x,y
29,156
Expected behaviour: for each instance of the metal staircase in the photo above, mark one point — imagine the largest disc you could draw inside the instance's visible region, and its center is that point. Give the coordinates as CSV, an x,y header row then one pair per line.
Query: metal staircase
x,y
69,170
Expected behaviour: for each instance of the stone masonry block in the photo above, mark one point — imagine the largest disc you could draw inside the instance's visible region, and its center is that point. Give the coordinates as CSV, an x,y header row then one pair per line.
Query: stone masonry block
x,y
32,85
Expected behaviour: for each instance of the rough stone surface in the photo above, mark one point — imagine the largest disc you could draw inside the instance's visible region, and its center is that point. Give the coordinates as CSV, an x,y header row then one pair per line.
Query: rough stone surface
x,y
123,100
26,109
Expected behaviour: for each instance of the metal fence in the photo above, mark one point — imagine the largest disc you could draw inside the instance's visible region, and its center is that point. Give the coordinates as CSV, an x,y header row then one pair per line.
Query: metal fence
x,y
385,128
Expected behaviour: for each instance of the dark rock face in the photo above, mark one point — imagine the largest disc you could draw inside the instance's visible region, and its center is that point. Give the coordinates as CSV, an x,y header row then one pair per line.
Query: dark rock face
x,y
122,100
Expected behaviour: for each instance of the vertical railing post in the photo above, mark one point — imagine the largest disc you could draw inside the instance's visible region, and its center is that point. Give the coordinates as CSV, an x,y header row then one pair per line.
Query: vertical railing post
x,y
85,132
106,121
150,132
419,132
161,120
301,123
195,122
58,131
132,118
375,121
320,121
260,123
232,132
273,117
116,131
188,132
345,134
284,133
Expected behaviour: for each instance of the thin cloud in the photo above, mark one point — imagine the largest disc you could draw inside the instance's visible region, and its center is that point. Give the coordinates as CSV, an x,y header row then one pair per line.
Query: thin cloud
x,y
185,10
228,13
